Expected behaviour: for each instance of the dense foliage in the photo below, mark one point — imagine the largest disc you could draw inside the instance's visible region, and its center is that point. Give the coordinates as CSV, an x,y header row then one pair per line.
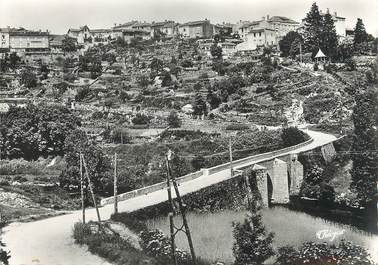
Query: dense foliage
x,y
293,136
35,131
4,255
289,42
97,163
345,253
365,160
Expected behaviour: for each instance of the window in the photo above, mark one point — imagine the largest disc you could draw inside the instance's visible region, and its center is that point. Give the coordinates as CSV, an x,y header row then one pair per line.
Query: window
x,y
260,34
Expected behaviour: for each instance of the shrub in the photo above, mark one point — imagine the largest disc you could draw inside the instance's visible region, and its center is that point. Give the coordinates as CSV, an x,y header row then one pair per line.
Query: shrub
x,y
327,194
80,232
156,244
28,79
173,120
253,245
97,115
141,119
350,64
292,136
316,66
20,179
321,253
198,162
4,182
237,127
187,63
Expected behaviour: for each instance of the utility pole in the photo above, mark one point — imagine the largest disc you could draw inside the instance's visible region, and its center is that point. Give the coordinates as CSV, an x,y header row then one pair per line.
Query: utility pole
x,y
82,188
115,185
230,151
249,191
168,157
181,209
91,189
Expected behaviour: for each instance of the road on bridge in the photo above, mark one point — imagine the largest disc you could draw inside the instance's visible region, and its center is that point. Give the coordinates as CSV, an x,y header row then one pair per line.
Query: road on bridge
x,y
50,242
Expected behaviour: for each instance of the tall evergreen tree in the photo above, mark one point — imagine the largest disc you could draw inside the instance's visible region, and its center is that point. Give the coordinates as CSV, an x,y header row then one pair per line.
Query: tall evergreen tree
x,y
360,34
329,40
287,41
365,159
312,29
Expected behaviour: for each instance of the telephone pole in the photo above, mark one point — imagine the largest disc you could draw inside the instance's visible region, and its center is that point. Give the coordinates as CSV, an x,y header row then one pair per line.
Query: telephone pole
x,y
230,151
115,185
82,188
91,189
181,209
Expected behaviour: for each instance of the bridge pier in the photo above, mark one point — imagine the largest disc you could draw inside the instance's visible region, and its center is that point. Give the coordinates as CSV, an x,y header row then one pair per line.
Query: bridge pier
x,y
295,173
261,174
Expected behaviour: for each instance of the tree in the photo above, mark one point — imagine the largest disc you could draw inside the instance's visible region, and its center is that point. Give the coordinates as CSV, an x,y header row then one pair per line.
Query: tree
x,y
253,244
199,106
69,44
167,79
313,24
292,135
143,81
97,163
4,63
329,40
35,131
156,66
360,35
14,59
141,119
216,51
365,159
28,79
173,120
287,41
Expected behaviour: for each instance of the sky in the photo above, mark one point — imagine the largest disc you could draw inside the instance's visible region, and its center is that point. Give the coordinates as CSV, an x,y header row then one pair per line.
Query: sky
x,y
59,15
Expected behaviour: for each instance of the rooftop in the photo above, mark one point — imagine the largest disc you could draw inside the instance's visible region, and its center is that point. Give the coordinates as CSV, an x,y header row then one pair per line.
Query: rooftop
x,y
194,23
127,24
282,20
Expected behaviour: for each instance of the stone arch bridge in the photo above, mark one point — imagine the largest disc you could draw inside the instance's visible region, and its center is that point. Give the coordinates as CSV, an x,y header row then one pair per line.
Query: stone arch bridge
x,y
279,175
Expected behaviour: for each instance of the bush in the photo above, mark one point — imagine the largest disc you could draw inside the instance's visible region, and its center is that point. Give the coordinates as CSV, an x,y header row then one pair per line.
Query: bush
x,y
350,64
20,179
173,120
237,127
4,182
156,244
316,66
292,136
80,232
198,162
187,63
141,119
345,253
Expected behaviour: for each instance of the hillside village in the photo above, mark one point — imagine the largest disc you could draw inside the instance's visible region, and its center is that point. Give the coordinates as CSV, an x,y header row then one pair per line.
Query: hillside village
x,y
122,97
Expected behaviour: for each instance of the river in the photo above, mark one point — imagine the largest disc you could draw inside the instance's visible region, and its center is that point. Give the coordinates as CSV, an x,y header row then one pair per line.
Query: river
x,y
213,238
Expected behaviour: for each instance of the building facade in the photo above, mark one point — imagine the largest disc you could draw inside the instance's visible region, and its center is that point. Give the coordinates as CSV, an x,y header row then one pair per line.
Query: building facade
x,y
22,40
82,35
196,29
259,37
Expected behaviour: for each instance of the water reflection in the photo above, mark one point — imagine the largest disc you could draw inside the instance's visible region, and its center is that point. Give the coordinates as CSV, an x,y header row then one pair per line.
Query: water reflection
x,y
213,238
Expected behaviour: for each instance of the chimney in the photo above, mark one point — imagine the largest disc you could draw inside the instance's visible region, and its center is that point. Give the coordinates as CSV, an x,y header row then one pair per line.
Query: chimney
x,y
267,17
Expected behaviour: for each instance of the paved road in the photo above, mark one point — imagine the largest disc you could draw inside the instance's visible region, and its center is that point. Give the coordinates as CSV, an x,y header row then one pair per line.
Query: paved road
x,y
49,241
